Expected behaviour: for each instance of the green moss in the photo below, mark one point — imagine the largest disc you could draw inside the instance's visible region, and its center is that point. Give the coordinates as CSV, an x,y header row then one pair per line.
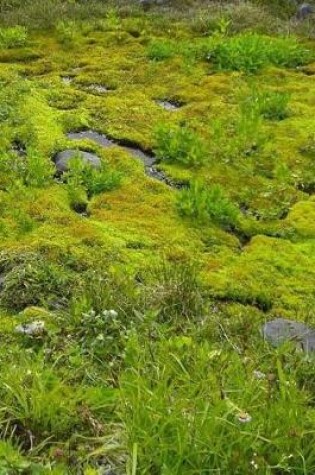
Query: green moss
x,y
190,294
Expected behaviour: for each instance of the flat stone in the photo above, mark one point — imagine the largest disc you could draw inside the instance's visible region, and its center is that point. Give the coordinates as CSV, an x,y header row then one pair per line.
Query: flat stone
x,y
280,330
67,80
168,105
31,329
101,139
147,159
62,159
97,88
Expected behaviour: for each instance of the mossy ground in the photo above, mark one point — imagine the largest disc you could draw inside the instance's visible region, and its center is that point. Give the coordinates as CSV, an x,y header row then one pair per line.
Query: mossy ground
x,y
160,392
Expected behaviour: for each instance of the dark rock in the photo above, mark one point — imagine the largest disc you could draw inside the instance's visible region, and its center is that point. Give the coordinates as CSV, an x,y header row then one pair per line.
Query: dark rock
x,y
280,330
304,11
62,159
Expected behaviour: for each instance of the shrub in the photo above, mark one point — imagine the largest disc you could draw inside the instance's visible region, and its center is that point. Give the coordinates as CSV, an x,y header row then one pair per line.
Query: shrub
x,y
179,144
249,52
207,204
13,37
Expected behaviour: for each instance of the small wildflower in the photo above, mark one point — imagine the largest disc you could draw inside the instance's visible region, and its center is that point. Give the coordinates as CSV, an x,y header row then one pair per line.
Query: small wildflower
x,y
254,464
244,417
259,375
113,313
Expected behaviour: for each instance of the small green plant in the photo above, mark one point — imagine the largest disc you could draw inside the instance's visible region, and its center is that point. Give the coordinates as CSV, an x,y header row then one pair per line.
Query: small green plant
x,y
179,144
175,291
66,32
249,52
272,105
207,204
93,181
159,50
113,21
38,171
13,37
102,335
38,401
77,196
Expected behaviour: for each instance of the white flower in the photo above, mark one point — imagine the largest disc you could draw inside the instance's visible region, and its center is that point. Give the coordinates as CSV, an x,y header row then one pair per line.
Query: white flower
x,y
259,375
244,417
113,313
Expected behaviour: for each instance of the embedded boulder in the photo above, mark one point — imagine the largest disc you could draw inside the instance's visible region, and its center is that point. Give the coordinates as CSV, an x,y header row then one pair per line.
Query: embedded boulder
x,y
280,330
62,159
304,11
36,328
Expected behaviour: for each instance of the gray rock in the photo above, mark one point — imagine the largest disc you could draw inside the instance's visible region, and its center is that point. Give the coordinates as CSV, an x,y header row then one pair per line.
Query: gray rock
x,y
304,11
31,329
168,105
280,330
101,139
62,159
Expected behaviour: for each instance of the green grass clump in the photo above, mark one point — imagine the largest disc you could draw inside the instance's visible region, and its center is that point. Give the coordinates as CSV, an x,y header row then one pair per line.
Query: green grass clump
x,y
13,37
179,144
159,50
271,105
250,52
67,32
183,402
207,204
30,279
92,180
38,170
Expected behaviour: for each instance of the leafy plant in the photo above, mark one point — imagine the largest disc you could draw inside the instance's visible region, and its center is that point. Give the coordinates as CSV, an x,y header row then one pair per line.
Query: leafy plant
x,y
159,50
207,204
94,181
66,32
13,37
179,144
102,336
272,105
37,401
38,171
249,52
